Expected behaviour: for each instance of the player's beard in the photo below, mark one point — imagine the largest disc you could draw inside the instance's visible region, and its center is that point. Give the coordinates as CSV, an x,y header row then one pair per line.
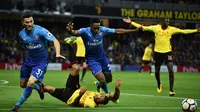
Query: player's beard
x,y
29,28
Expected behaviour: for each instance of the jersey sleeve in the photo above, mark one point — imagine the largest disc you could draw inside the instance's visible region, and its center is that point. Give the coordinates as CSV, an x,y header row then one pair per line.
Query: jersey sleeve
x,y
108,30
146,28
185,31
81,31
47,35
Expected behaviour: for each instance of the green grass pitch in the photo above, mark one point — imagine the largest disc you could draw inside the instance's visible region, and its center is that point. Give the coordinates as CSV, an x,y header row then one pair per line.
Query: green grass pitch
x,y
138,93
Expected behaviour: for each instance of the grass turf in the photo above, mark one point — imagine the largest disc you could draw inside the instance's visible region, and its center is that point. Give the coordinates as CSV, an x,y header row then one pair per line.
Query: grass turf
x,y
138,93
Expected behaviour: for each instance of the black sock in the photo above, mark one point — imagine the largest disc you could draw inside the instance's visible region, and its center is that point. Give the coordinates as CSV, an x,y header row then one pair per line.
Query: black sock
x,y
83,73
150,69
157,75
171,80
140,69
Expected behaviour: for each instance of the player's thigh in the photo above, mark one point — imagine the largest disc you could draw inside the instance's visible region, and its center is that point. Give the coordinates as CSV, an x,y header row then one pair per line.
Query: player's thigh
x,y
39,70
24,74
73,82
94,66
169,57
158,58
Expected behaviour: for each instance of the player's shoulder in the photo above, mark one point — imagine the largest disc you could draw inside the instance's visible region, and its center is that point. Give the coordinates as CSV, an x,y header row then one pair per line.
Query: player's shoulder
x,y
22,32
39,27
85,29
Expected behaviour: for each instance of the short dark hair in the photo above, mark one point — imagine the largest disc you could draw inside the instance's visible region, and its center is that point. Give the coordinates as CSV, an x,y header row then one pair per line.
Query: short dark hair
x,y
94,20
106,100
26,14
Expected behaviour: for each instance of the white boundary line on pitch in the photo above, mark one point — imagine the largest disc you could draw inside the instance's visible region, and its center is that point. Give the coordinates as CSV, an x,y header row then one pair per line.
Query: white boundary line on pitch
x,y
130,94
100,108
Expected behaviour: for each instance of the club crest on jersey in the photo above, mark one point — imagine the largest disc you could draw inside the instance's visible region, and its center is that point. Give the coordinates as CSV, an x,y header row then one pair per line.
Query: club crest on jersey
x,y
49,34
36,37
100,33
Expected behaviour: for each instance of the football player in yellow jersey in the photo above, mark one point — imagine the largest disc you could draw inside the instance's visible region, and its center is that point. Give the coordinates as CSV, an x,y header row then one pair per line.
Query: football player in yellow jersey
x,y
80,52
74,95
162,48
147,57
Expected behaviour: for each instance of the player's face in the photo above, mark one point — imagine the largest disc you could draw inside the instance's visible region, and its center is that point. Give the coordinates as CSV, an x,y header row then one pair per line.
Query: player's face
x,y
165,24
99,98
28,23
95,28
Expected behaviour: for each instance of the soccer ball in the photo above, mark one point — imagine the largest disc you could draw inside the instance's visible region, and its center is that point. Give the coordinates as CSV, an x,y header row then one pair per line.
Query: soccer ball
x,y
189,105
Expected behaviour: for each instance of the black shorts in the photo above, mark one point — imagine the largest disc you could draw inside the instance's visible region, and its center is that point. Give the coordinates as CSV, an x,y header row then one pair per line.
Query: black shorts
x,y
146,62
80,60
72,55
72,85
162,57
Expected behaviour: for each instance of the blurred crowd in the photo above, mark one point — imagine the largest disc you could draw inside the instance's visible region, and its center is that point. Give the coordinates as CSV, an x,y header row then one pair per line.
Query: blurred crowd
x,y
124,49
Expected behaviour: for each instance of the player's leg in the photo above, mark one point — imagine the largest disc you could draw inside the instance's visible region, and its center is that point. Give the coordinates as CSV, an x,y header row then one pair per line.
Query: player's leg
x,y
158,61
142,65
96,69
171,73
84,70
150,70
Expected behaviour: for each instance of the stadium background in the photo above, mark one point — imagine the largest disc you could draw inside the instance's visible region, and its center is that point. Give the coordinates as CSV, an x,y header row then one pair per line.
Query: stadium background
x,y
124,51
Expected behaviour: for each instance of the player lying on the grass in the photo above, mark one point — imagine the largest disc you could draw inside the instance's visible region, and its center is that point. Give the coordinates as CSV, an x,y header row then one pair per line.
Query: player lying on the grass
x,y
74,95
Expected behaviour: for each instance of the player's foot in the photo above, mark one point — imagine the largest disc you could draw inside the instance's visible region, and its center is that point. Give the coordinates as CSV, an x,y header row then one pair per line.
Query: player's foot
x,y
15,108
172,93
151,73
159,90
82,80
41,91
139,73
97,86
117,101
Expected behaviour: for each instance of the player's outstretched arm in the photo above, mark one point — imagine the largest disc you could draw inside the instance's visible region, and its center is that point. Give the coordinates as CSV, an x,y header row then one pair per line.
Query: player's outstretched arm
x,y
70,30
185,31
146,28
57,46
116,95
122,31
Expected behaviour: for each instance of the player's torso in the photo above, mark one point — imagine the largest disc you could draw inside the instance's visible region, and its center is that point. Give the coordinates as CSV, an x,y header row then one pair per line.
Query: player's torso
x,y
35,44
80,47
88,97
93,43
147,54
162,39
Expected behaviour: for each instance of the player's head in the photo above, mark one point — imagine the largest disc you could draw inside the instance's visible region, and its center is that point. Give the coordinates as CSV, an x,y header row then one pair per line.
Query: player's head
x,y
27,20
150,45
165,23
94,25
101,99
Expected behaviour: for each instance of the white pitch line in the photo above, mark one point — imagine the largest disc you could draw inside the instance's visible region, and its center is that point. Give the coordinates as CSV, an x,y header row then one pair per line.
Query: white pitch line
x,y
145,95
126,94
101,108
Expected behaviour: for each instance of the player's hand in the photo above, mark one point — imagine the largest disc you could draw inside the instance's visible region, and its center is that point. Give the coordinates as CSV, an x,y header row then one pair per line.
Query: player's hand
x,y
82,90
70,26
60,56
118,83
127,20
198,29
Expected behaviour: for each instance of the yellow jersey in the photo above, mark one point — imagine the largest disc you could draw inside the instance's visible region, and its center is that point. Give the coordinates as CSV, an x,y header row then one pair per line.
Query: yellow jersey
x,y
162,37
87,99
80,52
147,54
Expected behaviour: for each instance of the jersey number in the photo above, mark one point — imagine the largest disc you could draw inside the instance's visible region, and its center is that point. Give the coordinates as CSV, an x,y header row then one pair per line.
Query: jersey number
x,y
39,73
